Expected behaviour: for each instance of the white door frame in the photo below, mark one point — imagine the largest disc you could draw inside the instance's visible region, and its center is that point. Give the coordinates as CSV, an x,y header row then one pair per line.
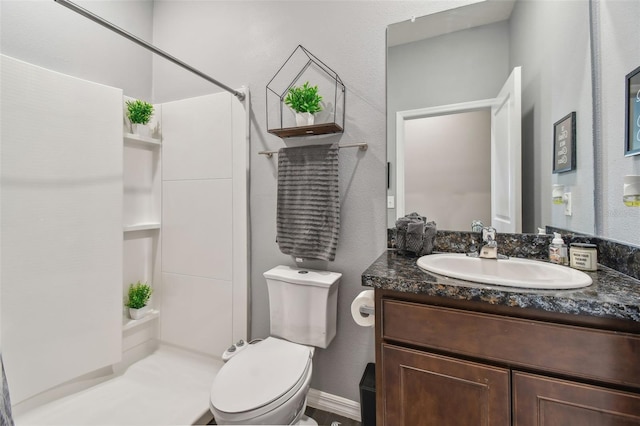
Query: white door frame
x,y
412,114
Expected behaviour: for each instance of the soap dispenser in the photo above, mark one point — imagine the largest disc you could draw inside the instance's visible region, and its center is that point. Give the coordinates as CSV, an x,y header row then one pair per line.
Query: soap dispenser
x,y
558,252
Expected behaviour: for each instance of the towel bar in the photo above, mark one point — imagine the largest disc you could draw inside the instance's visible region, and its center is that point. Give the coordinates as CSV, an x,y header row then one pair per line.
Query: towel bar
x,y
362,146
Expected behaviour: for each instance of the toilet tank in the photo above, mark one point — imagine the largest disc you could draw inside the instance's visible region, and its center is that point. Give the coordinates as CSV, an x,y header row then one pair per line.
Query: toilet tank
x,y
303,304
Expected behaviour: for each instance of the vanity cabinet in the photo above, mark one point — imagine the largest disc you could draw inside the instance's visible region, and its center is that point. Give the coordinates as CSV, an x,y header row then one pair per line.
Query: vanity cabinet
x,y
449,362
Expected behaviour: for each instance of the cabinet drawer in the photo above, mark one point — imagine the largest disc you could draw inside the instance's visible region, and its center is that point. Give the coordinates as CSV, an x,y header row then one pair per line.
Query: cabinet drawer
x,y
569,350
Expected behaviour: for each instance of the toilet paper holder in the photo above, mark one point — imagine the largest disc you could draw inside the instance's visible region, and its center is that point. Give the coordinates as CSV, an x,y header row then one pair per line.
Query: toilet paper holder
x,y
367,310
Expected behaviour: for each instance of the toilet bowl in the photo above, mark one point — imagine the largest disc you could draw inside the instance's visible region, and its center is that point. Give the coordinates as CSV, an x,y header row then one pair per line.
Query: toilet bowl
x,y
267,383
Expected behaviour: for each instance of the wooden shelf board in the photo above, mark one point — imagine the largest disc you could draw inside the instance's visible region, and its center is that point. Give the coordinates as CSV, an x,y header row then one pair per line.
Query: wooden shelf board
x,y
316,129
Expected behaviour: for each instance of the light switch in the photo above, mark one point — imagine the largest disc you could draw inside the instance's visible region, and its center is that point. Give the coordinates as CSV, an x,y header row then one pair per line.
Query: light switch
x,y
391,202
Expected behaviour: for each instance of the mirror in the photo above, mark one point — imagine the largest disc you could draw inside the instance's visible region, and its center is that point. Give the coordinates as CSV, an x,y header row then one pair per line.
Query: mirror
x,y
464,56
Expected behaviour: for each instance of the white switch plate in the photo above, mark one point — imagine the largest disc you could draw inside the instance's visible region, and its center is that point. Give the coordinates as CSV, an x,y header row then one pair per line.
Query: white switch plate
x,y
567,204
391,201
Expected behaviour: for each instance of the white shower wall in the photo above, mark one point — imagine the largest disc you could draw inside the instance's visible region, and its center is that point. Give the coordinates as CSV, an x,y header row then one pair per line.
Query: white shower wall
x,y
204,217
69,186
61,227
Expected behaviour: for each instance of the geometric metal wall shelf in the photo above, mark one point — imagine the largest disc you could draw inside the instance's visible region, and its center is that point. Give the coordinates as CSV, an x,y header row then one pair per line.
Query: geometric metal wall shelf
x,y
300,67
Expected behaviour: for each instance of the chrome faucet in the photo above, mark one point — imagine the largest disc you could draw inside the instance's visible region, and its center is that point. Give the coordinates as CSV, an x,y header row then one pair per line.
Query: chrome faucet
x,y
490,248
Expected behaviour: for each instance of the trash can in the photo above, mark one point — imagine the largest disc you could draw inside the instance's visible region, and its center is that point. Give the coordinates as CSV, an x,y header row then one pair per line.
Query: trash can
x,y
368,395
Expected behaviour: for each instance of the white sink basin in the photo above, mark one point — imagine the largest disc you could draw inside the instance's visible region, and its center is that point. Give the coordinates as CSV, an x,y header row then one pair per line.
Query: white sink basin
x,y
512,272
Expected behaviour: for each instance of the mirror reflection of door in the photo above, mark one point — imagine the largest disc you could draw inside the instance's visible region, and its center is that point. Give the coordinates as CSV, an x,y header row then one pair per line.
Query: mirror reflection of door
x,y
506,156
447,171
459,163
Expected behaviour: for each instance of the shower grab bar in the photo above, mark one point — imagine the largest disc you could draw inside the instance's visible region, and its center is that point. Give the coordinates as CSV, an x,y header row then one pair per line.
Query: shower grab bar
x,y
362,146
95,18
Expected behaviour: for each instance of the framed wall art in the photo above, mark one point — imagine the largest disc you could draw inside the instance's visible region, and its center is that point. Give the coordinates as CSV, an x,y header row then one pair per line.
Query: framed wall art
x,y
632,108
564,144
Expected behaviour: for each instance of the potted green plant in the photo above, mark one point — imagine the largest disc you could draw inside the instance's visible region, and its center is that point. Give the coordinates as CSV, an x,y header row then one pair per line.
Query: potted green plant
x,y
138,296
138,112
305,101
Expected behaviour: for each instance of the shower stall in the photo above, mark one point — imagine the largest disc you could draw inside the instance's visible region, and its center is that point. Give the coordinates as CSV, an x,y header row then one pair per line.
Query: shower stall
x,y
88,208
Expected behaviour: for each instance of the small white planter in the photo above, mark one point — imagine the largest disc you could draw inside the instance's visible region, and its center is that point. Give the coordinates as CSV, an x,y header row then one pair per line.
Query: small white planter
x,y
140,129
304,119
137,314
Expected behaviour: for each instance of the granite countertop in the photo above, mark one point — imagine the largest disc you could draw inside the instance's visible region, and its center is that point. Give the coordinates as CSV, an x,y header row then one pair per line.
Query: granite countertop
x,y
612,294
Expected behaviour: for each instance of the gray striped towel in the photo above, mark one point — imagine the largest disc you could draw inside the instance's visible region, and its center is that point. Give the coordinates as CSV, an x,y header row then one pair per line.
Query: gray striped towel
x,y
308,201
5,404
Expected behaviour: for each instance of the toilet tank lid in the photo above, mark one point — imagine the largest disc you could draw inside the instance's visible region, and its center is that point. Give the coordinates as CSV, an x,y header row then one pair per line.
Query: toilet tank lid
x,y
303,276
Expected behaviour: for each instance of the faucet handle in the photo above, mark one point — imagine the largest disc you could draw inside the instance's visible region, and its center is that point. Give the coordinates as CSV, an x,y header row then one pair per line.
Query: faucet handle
x,y
488,234
473,249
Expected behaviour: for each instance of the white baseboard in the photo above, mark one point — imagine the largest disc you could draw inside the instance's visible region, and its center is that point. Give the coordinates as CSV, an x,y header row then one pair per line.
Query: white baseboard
x,y
334,404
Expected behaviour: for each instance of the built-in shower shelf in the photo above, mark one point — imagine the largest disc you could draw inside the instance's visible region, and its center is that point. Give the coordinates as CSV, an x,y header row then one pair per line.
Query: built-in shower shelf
x,y
141,227
129,324
144,141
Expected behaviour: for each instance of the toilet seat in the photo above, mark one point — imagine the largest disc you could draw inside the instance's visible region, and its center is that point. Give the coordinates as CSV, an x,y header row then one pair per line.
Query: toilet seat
x,y
260,378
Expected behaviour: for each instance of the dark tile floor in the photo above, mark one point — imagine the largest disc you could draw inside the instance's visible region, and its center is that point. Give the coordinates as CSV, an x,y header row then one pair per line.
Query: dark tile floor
x,y
323,418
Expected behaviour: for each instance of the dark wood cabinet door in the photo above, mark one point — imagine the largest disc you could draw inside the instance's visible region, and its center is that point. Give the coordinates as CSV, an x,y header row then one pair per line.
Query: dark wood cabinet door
x,y
426,389
545,401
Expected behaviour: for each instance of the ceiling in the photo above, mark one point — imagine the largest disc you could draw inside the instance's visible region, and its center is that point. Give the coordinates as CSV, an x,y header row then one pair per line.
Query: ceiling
x,y
481,13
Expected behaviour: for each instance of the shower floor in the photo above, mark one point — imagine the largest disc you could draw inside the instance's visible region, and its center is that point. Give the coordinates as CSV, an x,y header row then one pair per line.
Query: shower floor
x,y
169,387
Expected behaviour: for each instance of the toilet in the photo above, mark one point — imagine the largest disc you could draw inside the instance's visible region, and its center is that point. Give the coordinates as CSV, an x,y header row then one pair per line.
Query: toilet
x,y
268,382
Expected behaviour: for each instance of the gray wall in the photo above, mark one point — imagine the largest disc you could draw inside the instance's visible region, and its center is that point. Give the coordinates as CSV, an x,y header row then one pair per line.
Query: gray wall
x,y
464,66
46,34
448,168
245,43
550,40
619,49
